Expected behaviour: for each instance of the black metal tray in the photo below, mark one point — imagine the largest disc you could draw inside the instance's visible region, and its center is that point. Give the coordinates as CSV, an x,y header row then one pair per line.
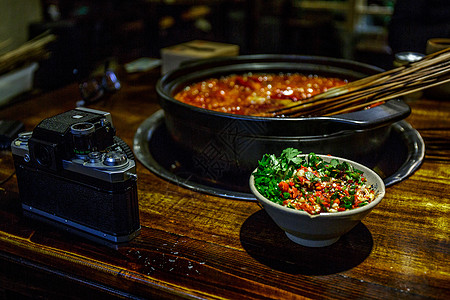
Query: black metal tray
x,y
402,154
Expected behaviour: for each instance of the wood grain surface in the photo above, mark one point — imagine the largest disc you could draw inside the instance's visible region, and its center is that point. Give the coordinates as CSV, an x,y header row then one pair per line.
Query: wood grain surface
x,y
194,245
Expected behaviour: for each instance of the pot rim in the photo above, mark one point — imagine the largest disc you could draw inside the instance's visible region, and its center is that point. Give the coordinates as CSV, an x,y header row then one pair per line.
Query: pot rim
x,y
389,112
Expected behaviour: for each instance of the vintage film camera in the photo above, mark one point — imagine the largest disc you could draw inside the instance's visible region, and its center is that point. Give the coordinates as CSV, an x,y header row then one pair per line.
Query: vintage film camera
x,y
74,172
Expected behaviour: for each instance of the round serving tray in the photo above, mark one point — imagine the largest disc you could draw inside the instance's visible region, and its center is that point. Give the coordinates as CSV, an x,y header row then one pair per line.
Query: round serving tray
x,y
153,147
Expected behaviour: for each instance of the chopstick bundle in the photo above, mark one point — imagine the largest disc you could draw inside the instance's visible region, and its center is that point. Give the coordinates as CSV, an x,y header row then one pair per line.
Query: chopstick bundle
x,y
432,70
32,50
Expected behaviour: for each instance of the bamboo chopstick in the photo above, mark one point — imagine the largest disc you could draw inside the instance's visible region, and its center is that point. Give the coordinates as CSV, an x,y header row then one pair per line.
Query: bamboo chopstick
x,y
432,70
32,50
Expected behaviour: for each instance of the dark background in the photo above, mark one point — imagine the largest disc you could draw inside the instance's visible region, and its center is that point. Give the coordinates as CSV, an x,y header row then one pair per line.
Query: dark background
x,y
370,31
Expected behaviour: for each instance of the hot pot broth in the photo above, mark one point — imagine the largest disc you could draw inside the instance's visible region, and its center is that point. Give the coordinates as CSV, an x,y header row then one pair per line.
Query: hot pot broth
x,y
250,94
226,146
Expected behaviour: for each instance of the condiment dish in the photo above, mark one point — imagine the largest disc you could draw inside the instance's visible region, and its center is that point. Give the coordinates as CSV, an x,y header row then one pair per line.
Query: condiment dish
x,y
321,229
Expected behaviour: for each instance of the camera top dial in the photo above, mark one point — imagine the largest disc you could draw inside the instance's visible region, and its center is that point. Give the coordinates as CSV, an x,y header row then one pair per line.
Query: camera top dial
x,y
115,158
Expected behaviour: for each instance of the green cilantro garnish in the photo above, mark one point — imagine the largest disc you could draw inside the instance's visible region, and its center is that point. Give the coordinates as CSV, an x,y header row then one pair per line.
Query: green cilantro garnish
x,y
274,180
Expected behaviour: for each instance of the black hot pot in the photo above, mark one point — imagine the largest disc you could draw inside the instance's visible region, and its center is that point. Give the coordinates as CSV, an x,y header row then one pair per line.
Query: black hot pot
x,y
228,145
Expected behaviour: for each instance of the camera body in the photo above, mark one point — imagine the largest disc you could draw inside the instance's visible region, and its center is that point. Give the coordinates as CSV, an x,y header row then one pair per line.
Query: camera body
x,y
74,172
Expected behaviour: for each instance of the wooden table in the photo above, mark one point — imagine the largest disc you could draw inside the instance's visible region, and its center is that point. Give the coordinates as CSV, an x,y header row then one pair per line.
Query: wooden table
x,y
194,245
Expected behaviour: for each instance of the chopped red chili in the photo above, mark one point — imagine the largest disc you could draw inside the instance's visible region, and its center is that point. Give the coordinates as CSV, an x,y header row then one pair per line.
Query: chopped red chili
x,y
254,93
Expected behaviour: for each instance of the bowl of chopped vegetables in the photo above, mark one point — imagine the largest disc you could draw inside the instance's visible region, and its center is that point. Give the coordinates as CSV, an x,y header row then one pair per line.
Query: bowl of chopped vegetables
x,y
315,198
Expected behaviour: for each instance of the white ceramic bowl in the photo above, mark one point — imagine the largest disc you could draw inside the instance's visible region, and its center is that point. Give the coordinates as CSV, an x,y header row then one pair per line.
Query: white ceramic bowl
x,y
325,228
